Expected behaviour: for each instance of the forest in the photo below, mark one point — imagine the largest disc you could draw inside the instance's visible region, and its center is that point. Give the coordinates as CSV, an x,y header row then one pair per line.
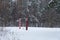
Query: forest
x,y
40,13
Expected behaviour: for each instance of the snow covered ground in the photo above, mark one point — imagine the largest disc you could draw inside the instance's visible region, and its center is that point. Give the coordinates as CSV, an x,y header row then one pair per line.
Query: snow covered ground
x,y
33,33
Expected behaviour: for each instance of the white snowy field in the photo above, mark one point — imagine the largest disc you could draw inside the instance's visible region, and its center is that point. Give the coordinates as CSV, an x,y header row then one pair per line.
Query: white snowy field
x,y
33,33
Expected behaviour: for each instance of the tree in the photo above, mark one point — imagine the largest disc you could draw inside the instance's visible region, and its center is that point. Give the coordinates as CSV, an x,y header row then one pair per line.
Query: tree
x,y
50,13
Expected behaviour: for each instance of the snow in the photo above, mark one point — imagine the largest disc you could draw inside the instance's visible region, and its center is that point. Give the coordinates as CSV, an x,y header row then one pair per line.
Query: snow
x,y
50,1
33,33
29,3
13,0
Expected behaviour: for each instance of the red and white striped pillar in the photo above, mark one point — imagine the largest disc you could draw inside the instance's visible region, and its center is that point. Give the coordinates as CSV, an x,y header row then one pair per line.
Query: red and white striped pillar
x,y
20,23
